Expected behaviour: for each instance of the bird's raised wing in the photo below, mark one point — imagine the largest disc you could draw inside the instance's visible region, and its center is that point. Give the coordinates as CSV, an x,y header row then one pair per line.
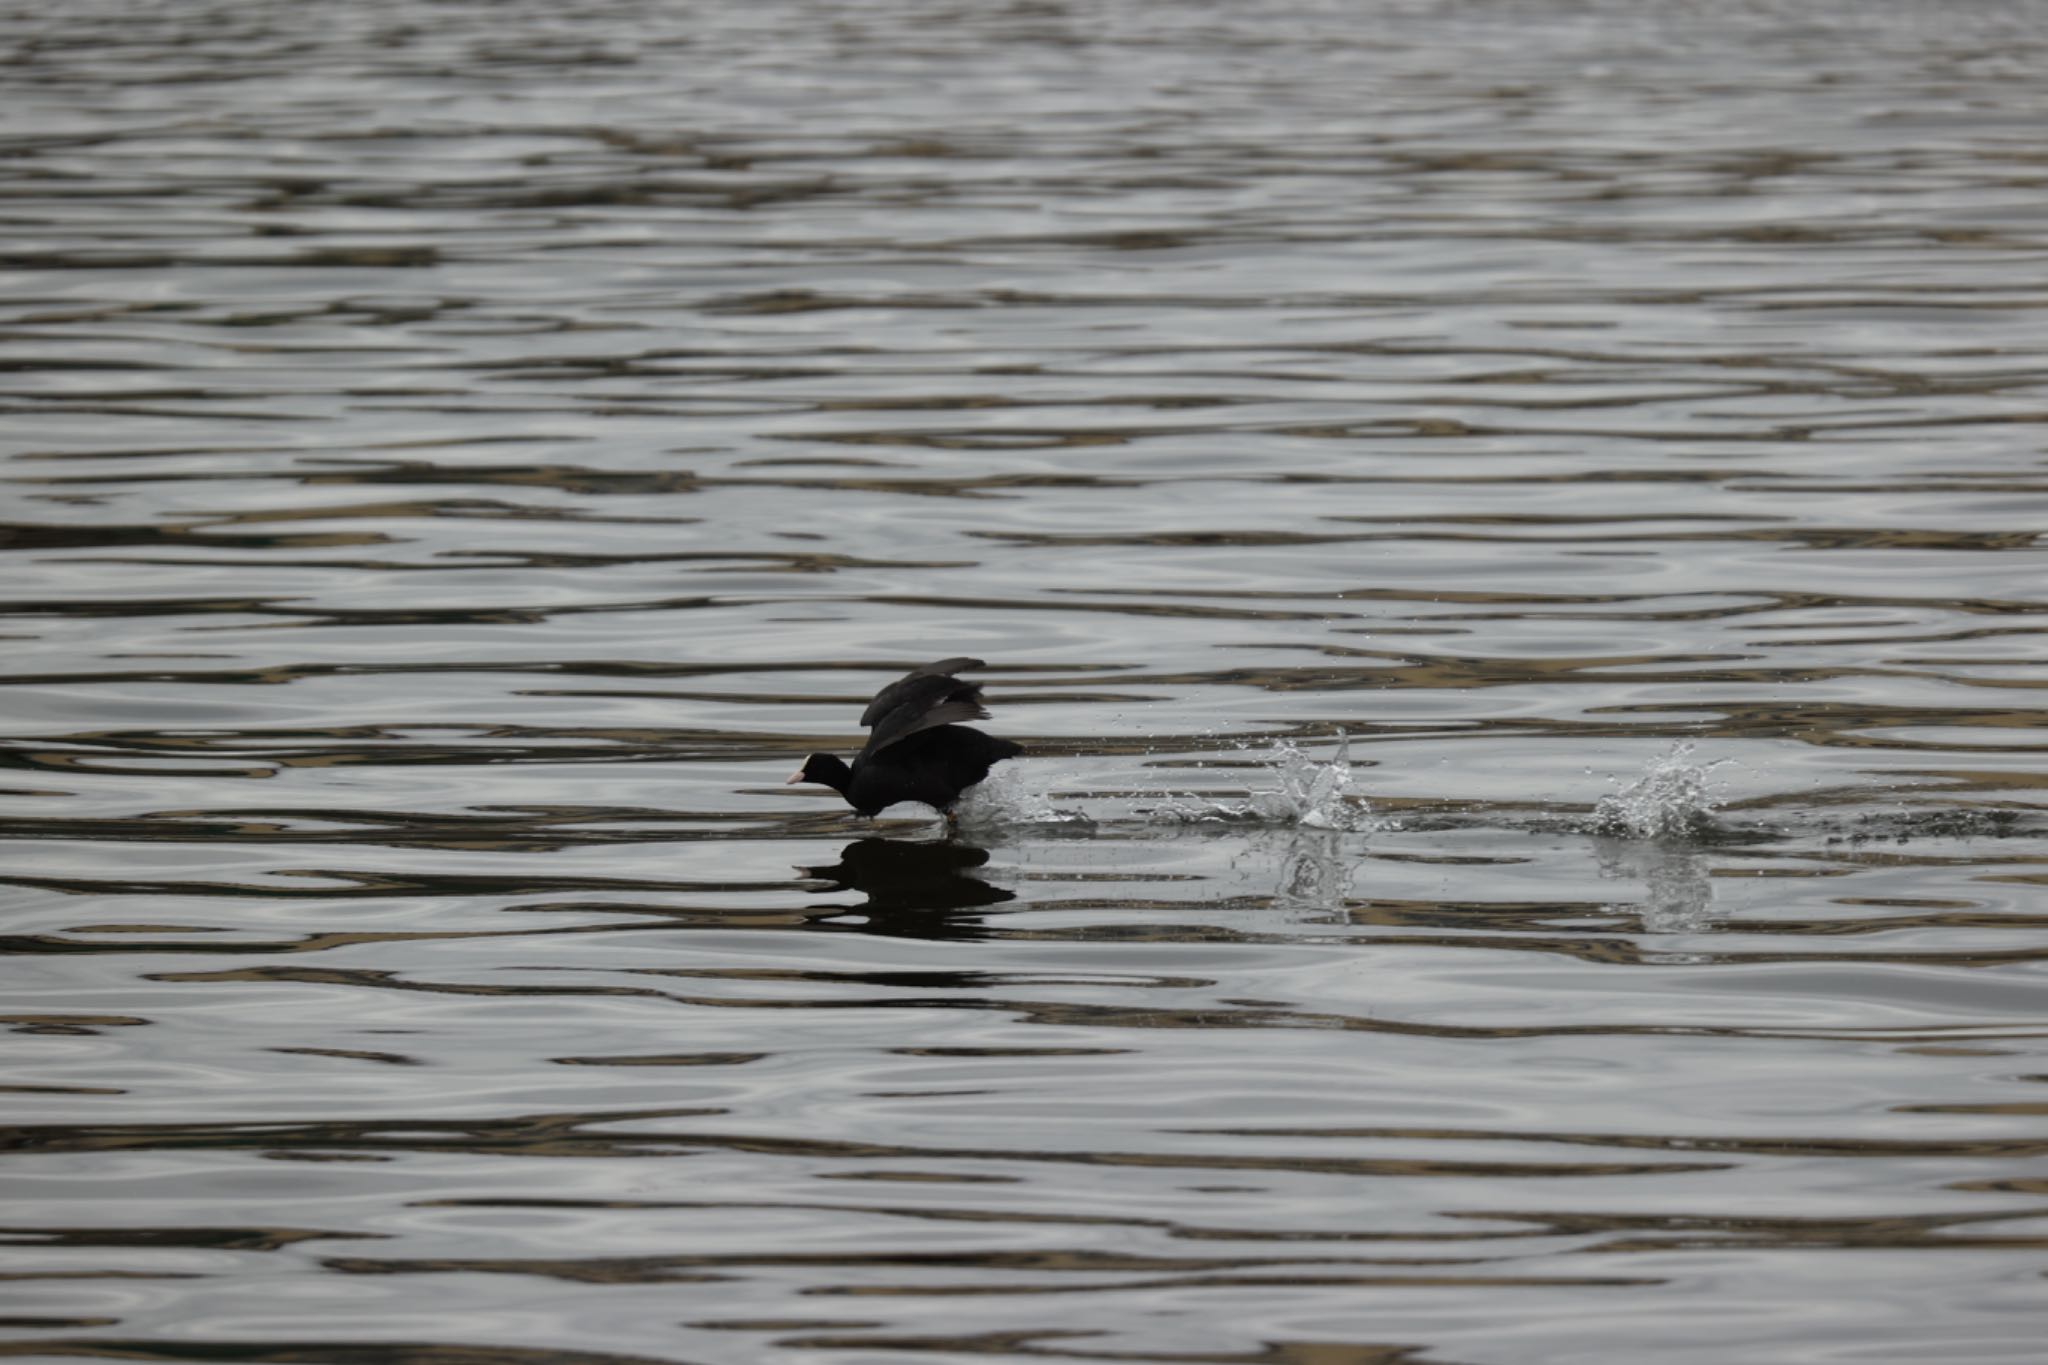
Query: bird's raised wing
x,y
922,699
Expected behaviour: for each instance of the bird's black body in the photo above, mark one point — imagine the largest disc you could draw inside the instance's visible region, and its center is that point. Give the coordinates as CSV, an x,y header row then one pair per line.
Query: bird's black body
x,y
915,751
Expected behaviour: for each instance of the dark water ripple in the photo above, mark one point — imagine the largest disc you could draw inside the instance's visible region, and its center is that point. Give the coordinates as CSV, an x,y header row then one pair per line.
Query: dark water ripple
x,y
458,458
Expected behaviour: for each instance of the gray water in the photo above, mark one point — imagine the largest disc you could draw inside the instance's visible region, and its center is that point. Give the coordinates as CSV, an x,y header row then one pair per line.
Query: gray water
x,y
1511,533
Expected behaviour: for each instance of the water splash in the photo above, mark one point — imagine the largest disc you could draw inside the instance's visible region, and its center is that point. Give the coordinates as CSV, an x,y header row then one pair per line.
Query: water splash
x,y
1671,800
1306,793
1011,796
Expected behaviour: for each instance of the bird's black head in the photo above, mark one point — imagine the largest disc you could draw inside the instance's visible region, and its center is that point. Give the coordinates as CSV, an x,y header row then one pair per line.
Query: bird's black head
x,y
827,769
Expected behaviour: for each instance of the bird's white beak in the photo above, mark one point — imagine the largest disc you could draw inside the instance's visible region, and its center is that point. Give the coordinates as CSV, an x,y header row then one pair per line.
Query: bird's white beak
x,y
793,778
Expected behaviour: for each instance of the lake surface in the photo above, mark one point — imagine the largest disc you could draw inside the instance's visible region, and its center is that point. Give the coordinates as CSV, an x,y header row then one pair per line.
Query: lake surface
x,y
1512,535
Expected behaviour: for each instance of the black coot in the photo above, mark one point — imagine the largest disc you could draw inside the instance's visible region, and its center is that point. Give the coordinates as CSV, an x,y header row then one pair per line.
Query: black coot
x,y
914,751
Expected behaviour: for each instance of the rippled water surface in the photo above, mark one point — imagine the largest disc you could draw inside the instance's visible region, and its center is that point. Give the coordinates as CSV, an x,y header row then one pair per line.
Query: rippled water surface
x,y
1511,533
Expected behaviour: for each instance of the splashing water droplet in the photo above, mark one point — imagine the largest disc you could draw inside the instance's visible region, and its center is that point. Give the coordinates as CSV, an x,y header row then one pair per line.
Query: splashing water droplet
x,y
1671,800
1007,797
1306,793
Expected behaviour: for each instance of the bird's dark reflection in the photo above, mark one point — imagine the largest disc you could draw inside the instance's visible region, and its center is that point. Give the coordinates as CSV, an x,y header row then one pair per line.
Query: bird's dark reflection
x,y
915,889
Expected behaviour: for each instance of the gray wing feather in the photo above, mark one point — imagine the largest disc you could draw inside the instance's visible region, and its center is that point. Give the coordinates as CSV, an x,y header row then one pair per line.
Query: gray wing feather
x,y
930,679
924,699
